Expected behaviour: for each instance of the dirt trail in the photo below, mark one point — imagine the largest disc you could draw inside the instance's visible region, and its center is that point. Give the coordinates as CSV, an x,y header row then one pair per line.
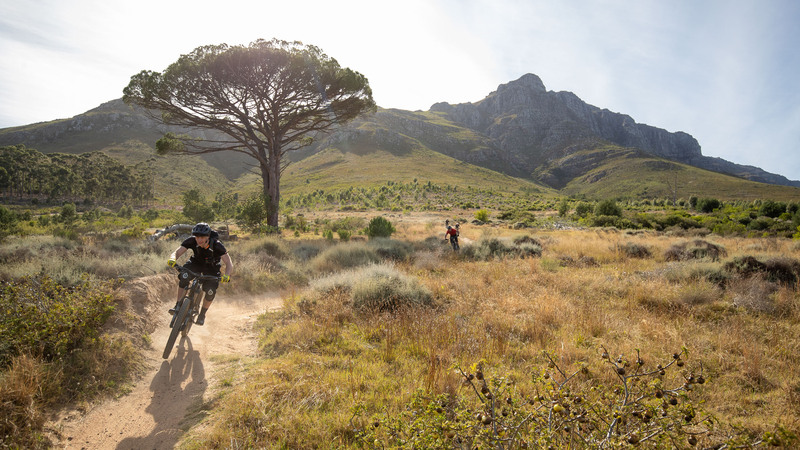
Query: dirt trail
x,y
161,405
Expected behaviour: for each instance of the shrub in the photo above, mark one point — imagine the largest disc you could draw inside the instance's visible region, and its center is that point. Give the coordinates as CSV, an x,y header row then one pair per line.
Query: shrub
x,y
488,248
608,208
307,250
42,318
772,209
785,271
270,246
345,256
373,288
379,227
392,250
633,250
696,249
659,409
583,208
525,239
485,249
344,235
482,215
383,288
707,205
528,249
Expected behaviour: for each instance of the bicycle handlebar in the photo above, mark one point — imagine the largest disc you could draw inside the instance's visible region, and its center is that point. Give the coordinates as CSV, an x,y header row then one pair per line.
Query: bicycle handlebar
x,y
200,276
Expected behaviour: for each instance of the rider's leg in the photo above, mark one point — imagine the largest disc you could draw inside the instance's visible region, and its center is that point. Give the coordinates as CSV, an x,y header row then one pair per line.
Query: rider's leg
x,y
210,289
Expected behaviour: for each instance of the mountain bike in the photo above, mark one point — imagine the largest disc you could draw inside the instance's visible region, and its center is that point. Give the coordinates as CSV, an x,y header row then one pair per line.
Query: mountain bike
x,y
189,308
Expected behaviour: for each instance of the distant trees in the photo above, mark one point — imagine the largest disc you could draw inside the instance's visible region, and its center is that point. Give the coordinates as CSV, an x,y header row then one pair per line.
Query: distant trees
x,y
265,100
195,207
95,175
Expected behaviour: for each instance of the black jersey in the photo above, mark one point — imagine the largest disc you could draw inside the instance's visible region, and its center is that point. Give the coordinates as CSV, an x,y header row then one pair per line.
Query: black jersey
x,y
209,257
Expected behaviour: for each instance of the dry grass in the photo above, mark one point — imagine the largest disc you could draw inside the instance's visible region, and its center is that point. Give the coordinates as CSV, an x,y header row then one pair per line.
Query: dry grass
x,y
505,312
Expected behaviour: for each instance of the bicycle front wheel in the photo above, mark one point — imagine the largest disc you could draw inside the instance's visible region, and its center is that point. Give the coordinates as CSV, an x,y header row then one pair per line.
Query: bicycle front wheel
x,y
181,315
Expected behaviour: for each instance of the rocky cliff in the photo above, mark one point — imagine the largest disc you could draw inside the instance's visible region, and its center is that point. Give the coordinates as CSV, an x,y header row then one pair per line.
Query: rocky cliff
x,y
534,127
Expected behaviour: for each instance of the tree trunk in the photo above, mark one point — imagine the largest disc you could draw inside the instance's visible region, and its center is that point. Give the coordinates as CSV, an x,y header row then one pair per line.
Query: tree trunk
x,y
274,191
267,183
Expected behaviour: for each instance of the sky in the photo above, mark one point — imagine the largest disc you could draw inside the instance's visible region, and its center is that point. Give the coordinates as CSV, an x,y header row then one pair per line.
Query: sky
x,y
725,71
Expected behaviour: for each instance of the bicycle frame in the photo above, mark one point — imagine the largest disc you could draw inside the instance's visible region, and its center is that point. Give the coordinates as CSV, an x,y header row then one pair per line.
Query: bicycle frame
x,y
189,308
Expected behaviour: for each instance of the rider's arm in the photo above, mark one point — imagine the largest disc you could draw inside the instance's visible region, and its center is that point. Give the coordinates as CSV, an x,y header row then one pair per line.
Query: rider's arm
x,y
226,258
178,252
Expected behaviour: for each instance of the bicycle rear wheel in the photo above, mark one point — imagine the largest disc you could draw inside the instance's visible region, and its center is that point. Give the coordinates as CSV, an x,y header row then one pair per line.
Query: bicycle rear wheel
x,y
181,315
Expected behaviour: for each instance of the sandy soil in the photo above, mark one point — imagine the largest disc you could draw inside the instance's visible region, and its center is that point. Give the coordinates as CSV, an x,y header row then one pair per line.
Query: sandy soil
x,y
161,405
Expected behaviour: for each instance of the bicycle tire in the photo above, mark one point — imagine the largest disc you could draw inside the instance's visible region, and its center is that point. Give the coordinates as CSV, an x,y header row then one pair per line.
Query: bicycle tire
x,y
176,327
188,325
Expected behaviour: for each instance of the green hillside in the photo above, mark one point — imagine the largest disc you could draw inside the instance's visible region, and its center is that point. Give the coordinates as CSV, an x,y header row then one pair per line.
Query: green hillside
x,y
616,172
364,164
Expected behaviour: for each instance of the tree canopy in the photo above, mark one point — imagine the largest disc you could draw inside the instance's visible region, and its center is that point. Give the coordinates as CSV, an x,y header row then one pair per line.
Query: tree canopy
x,y
264,100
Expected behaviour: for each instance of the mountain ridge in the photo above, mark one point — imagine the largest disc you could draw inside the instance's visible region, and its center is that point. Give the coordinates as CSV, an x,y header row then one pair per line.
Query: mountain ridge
x,y
521,129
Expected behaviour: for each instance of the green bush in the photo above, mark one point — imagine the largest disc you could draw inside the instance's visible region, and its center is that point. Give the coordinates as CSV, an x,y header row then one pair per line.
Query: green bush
x,y
708,205
608,208
482,215
379,227
42,318
772,209
583,208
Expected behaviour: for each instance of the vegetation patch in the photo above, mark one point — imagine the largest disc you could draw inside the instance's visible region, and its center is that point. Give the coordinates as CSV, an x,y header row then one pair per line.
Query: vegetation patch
x,y
380,288
52,352
489,248
696,249
785,271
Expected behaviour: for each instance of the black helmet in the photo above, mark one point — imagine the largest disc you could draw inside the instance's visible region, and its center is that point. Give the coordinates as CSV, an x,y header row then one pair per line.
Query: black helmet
x,y
201,229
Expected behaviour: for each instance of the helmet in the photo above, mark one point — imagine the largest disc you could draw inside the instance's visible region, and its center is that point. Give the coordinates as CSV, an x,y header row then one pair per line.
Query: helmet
x,y
201,229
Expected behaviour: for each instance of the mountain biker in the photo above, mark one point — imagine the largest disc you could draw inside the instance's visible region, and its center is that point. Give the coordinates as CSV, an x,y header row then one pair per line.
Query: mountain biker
x,y
208,251
452,233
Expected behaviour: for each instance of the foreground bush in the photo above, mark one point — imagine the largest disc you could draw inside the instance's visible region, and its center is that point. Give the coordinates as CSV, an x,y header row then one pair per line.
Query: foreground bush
x,y
647,405
42,318
51,351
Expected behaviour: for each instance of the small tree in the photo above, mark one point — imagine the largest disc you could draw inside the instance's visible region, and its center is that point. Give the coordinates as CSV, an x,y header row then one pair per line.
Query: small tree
x,y
583,208
708,205
224,206
195,207
379,227
772,209
608,208
252,214
563,208
482,215
69,214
